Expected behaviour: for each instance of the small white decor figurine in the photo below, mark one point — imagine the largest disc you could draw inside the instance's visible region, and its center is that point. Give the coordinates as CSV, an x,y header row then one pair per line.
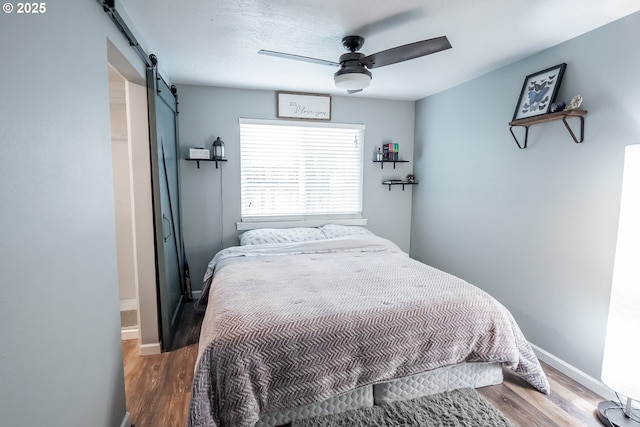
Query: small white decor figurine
x,y
575,103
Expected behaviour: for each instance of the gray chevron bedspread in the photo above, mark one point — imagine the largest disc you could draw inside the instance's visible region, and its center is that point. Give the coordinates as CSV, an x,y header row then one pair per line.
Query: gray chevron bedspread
x,y
291,324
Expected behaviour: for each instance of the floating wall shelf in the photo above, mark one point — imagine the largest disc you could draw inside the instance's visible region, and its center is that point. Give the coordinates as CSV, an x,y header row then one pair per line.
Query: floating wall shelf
x,y
394,182
382,162
206,160
551,117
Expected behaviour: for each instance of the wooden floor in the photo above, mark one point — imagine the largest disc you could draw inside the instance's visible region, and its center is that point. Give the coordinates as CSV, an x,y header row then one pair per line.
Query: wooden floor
x,y
158,388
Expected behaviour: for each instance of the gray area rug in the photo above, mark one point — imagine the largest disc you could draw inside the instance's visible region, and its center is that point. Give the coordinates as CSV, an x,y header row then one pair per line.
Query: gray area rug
x,y
463,407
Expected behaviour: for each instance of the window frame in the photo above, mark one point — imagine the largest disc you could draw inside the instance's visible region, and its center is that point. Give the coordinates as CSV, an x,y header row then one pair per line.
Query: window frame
x,y
311,220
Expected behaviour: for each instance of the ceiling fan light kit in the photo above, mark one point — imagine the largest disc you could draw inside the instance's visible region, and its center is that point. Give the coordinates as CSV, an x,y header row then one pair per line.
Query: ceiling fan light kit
x,y
352,79
354,74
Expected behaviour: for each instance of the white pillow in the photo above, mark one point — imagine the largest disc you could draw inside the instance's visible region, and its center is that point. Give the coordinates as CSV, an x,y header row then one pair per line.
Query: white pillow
x,y
336,230
280,235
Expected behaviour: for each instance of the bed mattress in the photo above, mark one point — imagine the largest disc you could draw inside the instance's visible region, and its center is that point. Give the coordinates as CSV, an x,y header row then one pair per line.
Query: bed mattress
x,y
361,397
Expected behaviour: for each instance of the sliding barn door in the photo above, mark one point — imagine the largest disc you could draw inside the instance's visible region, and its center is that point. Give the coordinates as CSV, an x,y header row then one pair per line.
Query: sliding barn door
x,y
165,182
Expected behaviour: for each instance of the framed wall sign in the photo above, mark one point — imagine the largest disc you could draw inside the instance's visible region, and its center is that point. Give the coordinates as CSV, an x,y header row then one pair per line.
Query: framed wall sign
x,y
539,92
308,106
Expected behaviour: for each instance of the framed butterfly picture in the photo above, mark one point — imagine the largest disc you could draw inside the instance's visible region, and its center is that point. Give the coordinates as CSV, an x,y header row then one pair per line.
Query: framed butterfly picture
x,y
539,92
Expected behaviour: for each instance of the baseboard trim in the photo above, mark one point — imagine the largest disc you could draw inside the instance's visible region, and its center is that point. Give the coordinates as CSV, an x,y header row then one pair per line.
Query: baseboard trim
x,y
149,349
575,374
128,304
129,334
126,421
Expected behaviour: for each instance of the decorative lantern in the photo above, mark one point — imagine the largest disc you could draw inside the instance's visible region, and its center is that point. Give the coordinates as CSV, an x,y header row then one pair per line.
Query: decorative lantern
x,y
218,149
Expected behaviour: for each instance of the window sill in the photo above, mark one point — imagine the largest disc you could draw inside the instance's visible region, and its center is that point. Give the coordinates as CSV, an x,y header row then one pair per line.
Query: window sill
x,y
246,225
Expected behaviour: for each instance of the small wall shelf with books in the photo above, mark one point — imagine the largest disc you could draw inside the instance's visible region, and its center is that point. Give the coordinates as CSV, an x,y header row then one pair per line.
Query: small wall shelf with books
x,y
382,162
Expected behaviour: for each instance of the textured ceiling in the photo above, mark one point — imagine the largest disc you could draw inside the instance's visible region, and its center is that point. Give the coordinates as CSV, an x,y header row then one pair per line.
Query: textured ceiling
x,y
215,42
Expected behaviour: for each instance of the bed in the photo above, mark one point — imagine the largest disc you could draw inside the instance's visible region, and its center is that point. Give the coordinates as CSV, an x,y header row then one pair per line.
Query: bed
x,y
311,321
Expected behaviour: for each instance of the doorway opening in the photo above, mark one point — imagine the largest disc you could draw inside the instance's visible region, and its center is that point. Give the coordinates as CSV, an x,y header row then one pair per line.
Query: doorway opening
x,y
133,202
124,205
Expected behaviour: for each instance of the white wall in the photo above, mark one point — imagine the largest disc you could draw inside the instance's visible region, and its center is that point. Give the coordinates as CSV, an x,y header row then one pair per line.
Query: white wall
x,y
211,197
536,228
60,351
122,193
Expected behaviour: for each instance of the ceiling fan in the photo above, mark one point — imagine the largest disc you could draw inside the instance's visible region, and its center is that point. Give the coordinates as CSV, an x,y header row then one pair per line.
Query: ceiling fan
x,y
354,74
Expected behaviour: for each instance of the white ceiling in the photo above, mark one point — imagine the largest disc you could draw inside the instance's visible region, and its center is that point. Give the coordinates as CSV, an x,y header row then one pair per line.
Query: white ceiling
x,y
215,42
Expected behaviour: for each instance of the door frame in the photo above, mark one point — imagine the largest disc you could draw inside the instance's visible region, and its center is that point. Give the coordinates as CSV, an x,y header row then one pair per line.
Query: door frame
x,y
148,326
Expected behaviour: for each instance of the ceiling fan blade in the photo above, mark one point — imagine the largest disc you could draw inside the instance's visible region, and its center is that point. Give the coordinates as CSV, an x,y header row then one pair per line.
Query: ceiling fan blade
x,y
406,52
298,57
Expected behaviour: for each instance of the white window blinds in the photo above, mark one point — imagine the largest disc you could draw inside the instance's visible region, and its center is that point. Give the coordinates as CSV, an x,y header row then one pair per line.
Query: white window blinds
x,y
300,170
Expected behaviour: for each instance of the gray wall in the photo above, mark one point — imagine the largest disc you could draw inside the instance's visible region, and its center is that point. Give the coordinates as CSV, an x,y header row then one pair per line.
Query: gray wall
x,y
536,228
60,348
211,197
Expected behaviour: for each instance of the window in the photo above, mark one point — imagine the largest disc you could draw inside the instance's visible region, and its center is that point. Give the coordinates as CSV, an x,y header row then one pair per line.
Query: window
x,y
300,170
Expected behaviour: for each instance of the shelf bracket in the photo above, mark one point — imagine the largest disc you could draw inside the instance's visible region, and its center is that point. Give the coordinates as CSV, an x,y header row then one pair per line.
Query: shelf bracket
x,y
399,183
207,160
198,164
564,120
526,137
382,162
396,184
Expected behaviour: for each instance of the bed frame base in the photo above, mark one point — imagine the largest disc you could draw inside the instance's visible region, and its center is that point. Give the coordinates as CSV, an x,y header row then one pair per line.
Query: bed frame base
x,y
464,375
